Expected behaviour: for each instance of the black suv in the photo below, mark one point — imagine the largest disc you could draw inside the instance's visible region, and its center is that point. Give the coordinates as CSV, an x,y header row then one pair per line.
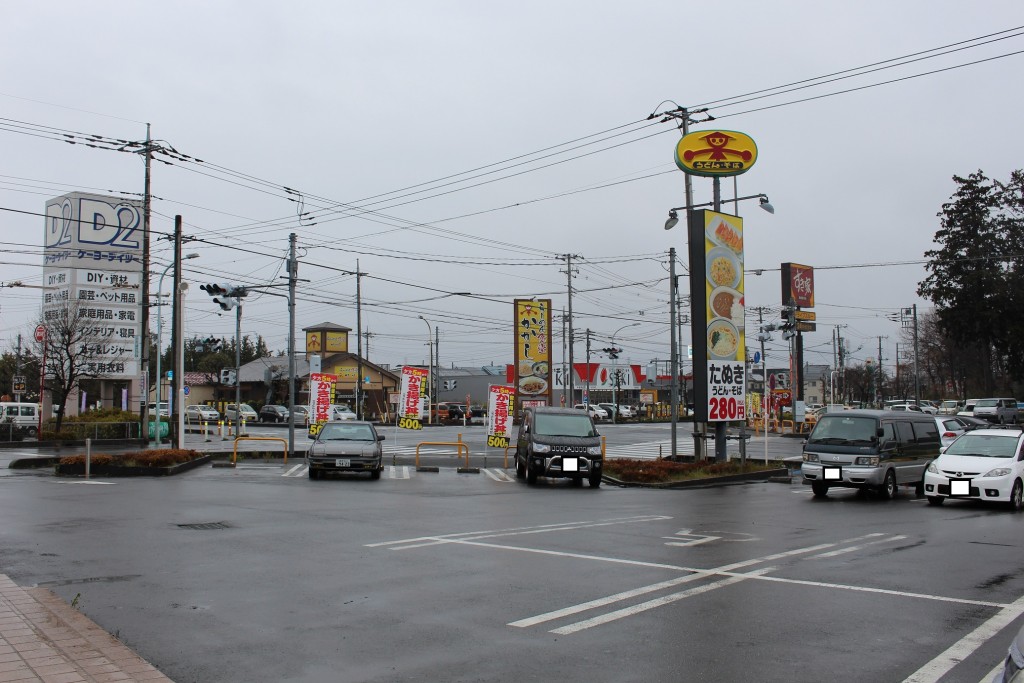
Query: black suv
x,y
558,442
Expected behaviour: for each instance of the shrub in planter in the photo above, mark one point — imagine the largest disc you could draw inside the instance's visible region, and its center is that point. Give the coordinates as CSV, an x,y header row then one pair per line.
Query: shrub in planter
x,y
152,458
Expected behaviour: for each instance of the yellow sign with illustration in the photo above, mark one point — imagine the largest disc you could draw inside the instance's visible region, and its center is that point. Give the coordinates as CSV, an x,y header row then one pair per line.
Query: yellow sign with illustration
x,y
533,350
716,153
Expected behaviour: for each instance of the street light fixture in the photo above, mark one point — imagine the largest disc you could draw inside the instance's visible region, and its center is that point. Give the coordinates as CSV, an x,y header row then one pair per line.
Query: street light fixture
x,y
430,371
615,384
159,343
673,217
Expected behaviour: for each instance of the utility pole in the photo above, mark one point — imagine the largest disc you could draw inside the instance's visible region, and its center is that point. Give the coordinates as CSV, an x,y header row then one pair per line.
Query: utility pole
x,y
359,343
917,363
673,289
144,351
437,361
881,376
565,375
293,271
586,398
176,330
572,339
17,370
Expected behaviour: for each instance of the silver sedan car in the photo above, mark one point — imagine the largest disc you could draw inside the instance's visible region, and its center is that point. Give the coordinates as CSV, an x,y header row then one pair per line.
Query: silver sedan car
x,y
349,446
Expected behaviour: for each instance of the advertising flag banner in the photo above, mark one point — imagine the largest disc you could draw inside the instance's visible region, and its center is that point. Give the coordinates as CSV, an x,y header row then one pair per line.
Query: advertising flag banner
x,y
533,351
321,396
716,279
500,409
410,402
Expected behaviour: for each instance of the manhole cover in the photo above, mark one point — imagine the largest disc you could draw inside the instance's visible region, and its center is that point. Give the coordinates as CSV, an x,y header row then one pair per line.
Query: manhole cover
x,y
203,526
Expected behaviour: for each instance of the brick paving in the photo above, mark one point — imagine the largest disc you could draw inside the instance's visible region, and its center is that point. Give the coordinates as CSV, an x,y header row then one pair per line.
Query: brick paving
x,y
45,640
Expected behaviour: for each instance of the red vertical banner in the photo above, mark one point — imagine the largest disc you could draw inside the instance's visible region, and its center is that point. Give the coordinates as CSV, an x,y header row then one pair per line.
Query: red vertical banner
x,y
410,399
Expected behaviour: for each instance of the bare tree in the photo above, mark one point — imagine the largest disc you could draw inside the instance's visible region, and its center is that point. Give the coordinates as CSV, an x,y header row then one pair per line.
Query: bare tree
x,y
71,353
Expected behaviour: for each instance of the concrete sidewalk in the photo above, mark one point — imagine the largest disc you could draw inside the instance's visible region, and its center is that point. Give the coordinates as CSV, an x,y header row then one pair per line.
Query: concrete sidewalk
x,y
45,640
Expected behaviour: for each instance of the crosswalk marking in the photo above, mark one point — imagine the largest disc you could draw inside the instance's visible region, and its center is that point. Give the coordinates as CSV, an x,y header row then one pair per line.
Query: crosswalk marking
x,y
498,475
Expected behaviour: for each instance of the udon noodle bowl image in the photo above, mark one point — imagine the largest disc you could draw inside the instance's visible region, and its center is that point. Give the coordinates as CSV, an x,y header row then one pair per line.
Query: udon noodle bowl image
x,y
723,272
722,339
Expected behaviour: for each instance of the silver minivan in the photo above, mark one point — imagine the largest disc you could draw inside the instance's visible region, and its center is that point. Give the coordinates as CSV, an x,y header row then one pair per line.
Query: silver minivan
x,y
876,450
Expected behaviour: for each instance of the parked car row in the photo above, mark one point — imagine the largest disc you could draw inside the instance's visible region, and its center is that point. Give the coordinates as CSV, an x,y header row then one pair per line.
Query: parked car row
x,y
940,456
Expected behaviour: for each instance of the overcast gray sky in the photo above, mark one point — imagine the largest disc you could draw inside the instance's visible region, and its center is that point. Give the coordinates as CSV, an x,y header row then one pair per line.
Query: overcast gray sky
x,y
462,146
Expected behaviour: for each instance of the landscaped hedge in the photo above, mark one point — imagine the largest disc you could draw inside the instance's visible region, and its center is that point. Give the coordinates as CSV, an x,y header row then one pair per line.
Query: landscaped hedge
x,y
164,457
659,471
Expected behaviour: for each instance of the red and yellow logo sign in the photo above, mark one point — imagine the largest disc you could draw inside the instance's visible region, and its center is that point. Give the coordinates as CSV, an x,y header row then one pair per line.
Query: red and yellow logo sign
x,y
718,153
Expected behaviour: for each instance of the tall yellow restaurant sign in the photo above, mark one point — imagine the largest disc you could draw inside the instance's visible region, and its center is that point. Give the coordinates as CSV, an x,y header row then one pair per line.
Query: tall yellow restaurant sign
x,y
533,352
716,153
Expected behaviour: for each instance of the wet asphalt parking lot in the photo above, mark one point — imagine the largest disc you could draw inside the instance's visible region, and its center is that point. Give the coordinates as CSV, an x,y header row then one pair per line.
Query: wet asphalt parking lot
x,y
259,574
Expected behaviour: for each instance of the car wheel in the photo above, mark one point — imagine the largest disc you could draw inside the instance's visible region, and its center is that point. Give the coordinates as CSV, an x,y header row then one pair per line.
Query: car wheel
x,y
314,474
531,475
888,489
819,488
520,470
595,480
1017,496
936,500
375,474
32,431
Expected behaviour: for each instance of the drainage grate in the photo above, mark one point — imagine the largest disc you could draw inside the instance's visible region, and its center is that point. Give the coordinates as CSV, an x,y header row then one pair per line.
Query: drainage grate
x,y
203,526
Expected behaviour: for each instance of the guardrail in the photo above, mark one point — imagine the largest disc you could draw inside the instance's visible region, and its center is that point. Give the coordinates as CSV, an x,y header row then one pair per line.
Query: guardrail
x,y
458,444
284,442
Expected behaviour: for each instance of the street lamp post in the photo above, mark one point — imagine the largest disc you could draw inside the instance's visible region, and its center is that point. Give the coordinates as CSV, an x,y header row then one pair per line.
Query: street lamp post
x,y
430,371
159,350
615,404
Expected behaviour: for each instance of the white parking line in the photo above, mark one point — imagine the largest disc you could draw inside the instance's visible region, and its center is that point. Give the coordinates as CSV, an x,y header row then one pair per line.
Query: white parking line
x,y
657,602
852,548
963,648
292,471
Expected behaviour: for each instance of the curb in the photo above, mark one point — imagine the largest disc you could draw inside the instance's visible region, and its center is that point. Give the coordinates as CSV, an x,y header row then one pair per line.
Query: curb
x,y
108,471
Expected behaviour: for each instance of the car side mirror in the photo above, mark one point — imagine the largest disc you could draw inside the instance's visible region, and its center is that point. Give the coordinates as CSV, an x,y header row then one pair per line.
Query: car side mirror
x,y
380,437
880,432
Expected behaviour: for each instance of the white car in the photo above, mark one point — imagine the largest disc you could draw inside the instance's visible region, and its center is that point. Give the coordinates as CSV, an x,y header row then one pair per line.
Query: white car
x,y
623,412
596,411
950,428
983,464
340,413
201,413
248,413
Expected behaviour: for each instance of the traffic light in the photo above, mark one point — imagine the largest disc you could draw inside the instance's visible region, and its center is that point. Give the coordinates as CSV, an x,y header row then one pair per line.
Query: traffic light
x,y
224,294
788,325
612,352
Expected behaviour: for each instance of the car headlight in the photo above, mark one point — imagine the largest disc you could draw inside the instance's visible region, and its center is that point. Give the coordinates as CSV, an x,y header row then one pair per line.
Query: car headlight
x,y
867,460
810,457
593,450
932,468
541,448
998,472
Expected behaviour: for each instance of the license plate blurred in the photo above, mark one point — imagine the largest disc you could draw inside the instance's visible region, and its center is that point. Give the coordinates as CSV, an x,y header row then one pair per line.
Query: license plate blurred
x,y
343,462
570,465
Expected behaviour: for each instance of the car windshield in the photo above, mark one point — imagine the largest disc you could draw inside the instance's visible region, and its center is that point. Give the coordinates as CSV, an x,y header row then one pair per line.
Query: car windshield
x,y
843,430
985,445
337,432
986,403
563,425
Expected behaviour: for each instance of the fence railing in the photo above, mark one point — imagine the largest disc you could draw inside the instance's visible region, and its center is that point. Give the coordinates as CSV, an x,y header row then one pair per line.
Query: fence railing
x,y
96,430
